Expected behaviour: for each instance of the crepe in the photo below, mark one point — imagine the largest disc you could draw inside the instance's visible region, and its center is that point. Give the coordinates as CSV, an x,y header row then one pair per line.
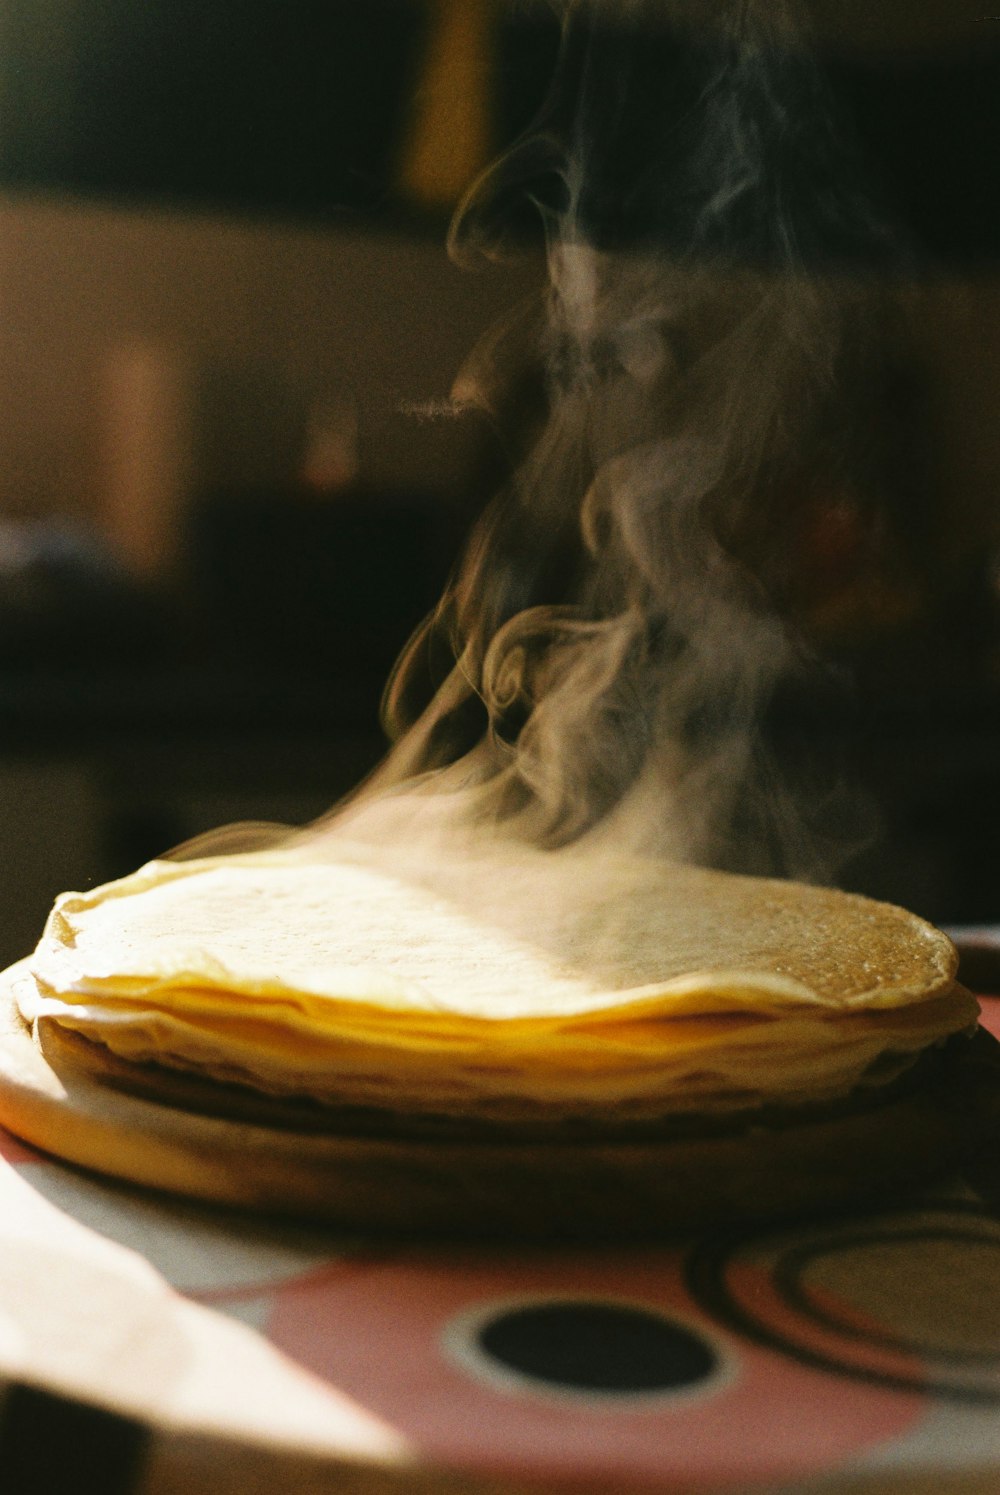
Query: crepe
x,y
510,988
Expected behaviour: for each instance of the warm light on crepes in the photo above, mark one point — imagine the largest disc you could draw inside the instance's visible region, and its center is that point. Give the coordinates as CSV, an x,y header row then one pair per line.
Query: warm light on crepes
x,y
619,990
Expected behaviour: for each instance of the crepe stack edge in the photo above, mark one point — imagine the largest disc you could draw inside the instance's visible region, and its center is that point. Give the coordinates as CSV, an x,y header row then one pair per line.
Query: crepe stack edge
x,y
700,1042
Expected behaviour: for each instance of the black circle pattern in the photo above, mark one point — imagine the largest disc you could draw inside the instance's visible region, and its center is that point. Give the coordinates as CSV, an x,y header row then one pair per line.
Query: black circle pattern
x,y
594,1346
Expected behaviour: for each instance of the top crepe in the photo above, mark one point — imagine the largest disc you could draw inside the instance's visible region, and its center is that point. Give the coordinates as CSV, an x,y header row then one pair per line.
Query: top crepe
x,y
619,990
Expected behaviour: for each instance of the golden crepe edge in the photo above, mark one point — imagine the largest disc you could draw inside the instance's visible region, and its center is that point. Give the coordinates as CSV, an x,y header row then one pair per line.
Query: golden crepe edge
x,y
700,1043
526,1174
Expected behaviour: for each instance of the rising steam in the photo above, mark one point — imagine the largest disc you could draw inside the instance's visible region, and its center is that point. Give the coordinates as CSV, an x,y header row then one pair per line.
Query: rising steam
x,y
601,666
605,656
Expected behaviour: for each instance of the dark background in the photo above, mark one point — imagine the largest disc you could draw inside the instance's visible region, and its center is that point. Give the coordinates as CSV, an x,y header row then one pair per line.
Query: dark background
x,y
135,714
300,110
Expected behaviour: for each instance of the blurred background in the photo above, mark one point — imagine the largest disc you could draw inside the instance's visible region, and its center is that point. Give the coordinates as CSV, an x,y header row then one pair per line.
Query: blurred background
x,y
230,481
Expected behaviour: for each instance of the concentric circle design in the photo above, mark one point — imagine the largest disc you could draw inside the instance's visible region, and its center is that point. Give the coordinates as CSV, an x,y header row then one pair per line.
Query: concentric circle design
x,y
908,1275
906,1299
601,1353
527,1365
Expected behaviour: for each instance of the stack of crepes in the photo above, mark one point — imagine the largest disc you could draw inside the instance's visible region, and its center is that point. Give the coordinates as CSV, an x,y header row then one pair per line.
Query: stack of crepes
x,y
623,992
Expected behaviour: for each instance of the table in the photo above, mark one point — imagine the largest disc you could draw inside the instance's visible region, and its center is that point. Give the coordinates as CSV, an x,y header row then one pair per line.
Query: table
x,y
150,1346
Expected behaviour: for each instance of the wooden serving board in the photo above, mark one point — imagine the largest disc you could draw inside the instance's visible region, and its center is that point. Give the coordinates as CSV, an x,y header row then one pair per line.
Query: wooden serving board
x,y
448,1183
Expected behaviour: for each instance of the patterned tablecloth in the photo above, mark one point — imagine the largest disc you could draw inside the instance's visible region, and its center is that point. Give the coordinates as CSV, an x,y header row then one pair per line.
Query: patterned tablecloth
x,y
149,1345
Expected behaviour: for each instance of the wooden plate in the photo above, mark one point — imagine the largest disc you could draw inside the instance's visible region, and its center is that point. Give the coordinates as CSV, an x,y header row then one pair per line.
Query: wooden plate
x,y
450,1183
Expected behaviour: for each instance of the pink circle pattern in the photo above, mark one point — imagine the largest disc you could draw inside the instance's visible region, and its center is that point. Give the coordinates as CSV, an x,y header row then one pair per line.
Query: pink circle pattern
x,y
374,1329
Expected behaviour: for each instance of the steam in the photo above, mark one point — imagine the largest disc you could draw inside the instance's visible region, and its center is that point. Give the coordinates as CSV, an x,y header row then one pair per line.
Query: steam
x,y
603,662
600,669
